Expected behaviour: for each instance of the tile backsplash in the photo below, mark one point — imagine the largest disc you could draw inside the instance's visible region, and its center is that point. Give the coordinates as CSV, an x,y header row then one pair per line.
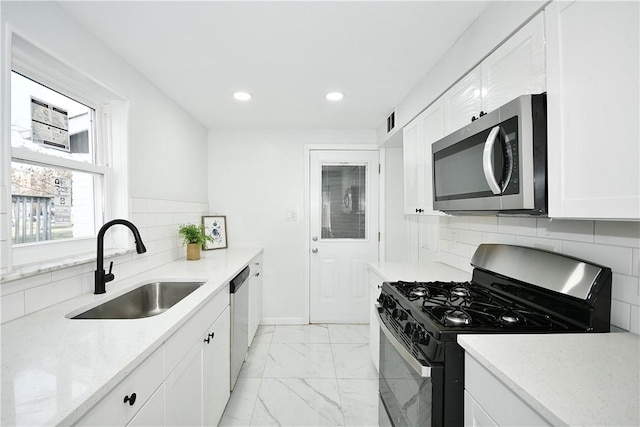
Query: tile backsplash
x,y
613,244
158,222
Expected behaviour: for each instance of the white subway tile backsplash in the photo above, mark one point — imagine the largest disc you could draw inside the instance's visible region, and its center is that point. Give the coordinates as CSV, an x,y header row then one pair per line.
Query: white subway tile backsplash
x,y
519,226
470,237
44,296
635,267
618,258
12,306
625,289
635,320
505,239
540,243
138,205
617,233
23,284
581,231
621,314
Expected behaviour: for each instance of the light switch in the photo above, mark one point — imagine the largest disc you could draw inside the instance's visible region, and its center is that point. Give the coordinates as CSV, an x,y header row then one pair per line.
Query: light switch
x,y
291,216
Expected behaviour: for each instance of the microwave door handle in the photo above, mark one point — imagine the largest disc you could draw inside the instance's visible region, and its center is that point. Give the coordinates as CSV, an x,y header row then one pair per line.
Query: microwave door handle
x,y
487,161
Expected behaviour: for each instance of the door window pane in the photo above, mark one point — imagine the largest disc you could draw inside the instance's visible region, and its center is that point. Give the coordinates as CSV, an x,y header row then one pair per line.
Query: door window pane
x,y
344,201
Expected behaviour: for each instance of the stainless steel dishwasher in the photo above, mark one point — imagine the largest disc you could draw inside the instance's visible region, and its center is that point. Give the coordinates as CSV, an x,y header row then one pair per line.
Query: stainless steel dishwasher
x,y
239,289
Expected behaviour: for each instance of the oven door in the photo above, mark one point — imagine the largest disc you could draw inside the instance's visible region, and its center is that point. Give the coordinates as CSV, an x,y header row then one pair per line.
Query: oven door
x,y
411,391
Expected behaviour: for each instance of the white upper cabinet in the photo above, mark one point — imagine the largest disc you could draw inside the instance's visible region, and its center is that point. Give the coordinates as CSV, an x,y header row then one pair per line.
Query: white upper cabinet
x,y
593,113
463,100
515,68
417,138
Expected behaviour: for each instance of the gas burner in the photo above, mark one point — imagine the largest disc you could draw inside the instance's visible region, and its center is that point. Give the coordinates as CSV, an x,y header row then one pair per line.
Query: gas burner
x,y
510,318
460,291
419,291
456,318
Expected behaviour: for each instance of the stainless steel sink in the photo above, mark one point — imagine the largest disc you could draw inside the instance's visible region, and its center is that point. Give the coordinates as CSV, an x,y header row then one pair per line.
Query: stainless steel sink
x,y
147,300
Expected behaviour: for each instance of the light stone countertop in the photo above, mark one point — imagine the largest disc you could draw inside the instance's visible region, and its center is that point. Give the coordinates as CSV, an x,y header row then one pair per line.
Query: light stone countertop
x,y
421,272
569,379
54,369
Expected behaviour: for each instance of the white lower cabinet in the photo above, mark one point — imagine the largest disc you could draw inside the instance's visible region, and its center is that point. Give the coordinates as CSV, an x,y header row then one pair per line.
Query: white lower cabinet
x,y
375,286
489,402
216,362
183,383
255,296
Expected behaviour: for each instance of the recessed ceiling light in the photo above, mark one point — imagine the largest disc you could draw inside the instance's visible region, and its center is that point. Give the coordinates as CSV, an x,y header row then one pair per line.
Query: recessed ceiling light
x,y
334,96
242,96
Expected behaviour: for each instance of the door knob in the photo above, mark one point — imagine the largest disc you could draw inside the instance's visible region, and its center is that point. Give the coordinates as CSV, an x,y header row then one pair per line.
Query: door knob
x,y
314,250
314,238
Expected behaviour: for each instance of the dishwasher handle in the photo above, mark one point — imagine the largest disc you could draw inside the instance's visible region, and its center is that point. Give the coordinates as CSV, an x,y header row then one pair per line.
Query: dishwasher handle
x,y
239,280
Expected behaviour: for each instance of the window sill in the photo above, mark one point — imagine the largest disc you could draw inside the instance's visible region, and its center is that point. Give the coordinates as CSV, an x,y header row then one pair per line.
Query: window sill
x,y
35,269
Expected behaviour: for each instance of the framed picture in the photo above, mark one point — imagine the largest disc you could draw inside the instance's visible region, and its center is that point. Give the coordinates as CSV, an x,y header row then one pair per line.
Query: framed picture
x,y
216,228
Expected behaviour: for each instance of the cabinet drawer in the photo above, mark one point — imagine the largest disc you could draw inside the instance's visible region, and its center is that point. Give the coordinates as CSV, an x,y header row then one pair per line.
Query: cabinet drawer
x,y
177,346
112,409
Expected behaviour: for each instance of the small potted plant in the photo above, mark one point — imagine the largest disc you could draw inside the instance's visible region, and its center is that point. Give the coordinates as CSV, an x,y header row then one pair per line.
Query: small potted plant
x,y
194,237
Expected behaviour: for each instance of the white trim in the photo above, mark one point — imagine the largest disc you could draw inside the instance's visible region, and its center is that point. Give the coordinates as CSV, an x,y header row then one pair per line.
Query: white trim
x,y
268,321
18,153
308,148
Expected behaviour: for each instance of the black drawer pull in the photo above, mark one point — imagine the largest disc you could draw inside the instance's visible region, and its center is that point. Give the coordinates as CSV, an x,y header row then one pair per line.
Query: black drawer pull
x,y
131,399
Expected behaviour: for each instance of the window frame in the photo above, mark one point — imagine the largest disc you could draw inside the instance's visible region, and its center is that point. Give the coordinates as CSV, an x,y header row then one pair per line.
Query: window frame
x,y
110,132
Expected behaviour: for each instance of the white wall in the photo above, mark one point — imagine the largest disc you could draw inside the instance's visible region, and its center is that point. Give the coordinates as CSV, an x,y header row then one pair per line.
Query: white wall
x,y
255,178
165,143
396,231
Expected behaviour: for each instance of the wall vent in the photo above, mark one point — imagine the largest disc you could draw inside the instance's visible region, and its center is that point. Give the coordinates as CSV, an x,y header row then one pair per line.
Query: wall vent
x,y
391,122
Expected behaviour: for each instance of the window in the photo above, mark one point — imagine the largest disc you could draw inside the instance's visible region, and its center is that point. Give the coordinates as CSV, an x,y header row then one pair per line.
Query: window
x,y
54,178
68,167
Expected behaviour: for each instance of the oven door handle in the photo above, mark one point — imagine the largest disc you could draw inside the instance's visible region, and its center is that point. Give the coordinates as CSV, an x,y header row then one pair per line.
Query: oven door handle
x,y
416,365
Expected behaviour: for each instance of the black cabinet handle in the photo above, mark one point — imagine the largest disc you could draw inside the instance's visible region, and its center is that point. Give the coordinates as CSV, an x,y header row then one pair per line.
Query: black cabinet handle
x,y
482,113
131,399
212,334
209,337
474,118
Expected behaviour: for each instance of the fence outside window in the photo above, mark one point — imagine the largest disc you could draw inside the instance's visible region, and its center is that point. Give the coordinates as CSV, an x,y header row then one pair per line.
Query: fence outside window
x,y
32,218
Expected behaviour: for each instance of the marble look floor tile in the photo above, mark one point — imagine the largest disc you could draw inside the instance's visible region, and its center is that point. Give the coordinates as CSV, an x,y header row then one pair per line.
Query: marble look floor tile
x,y
253,367
298,402
349,334
300,361
308,334
353,361
241,403
359,399
264,334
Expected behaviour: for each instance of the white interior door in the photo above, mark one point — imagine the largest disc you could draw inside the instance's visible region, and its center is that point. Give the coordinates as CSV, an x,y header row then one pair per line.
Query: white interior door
x,y
344,233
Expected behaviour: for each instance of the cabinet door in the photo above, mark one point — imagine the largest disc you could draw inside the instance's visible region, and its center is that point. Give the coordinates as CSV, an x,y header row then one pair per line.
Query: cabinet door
x,y
183,390
593,109
431,122
216,369
515,68
474,414
375,285
255,297
463,101
412,159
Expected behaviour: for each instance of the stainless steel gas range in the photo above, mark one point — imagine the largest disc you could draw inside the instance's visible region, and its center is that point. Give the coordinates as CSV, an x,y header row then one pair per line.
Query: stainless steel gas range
x,y
513,290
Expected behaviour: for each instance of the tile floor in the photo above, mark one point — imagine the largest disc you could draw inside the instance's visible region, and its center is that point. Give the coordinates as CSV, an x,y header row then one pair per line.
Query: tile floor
x,y
306,375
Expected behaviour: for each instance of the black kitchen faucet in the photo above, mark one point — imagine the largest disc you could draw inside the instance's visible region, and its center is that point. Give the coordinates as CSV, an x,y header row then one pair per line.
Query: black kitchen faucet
x,y
101,277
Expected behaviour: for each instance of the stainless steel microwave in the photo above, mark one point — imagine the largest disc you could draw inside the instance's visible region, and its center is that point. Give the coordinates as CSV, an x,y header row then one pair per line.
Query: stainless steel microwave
x,y
496,164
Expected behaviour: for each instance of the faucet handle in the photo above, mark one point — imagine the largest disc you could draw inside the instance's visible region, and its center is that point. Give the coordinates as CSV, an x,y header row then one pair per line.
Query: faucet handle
x,y
109,276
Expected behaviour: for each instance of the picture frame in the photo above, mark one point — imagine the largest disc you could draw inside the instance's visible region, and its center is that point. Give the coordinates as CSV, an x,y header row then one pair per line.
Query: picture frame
x,y
215,226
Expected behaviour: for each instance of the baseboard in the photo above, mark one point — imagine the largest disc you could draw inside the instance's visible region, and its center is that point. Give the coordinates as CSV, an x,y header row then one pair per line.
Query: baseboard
x,y
283,321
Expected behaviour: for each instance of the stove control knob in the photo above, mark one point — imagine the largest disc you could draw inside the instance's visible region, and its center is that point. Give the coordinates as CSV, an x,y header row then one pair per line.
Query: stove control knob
x,y
389,303
402,315
409,328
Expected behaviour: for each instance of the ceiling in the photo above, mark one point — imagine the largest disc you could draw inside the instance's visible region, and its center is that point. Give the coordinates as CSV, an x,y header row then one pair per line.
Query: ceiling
x,y
287,54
